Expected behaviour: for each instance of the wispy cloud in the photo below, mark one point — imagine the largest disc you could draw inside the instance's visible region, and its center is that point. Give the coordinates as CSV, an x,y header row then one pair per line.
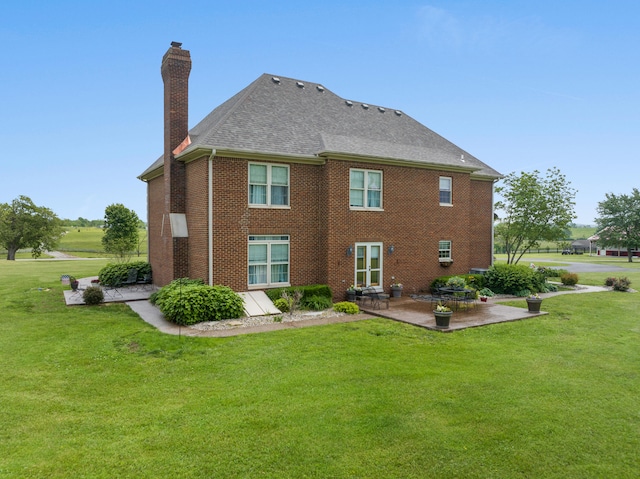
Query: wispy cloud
x,y
473,33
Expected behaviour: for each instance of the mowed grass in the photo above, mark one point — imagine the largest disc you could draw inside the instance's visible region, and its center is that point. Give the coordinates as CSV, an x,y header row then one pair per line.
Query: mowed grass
x,y
96,392
86,242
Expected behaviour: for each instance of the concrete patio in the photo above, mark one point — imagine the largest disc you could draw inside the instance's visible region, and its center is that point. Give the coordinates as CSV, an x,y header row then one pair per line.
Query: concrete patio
x,y
420,313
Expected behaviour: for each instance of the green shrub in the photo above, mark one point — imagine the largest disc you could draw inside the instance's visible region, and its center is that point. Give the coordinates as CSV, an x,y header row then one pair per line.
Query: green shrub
x,y
177,284
188,302
315,303
513,279
282,304
610,281
93,295
569,279
621,284
307,291
346,307
115,274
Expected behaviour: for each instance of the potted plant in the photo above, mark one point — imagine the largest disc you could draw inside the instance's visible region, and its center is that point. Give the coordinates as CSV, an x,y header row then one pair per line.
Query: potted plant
x,y
484,294
352,292
73,282
396,289
442,314
533,303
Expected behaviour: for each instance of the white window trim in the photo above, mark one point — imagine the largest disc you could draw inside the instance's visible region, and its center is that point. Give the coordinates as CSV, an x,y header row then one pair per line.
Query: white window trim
x,y
450,190
269,242
445,259
366,190
368,245
269,185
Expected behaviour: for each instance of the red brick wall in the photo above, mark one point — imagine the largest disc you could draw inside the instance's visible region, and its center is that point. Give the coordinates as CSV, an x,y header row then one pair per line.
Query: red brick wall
x,y
159,247
321,226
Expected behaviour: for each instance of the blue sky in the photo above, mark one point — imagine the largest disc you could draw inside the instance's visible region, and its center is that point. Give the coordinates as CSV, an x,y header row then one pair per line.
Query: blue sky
x,y
521,85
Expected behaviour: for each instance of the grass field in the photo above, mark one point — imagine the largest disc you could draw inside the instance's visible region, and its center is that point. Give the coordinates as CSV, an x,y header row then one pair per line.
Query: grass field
x,y
95,392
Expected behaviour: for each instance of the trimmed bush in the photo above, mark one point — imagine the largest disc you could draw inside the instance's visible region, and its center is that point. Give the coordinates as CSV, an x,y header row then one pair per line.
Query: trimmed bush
x,y
115,274
610,281
190,302
569,279
315,303
514,279
93,295
307,291
346,307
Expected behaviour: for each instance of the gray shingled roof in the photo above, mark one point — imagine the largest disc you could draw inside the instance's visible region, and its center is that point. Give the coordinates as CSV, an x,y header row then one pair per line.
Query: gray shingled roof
x,y
283,116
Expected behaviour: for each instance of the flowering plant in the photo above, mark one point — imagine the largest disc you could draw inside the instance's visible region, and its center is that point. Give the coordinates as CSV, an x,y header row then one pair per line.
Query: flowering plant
x,y
354,288
441,308
533,296
396,285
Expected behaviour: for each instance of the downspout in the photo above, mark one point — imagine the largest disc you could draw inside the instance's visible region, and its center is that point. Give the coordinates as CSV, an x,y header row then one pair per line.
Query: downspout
x,y
493,222
210,214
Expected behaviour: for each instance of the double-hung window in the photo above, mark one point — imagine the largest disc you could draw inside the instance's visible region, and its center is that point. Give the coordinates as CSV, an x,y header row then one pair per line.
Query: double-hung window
x,y
268,260
365,189
268,185
444,251
445,190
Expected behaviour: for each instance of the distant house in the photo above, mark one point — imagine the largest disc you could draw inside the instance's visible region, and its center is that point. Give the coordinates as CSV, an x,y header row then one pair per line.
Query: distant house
x,y
610,250
286,183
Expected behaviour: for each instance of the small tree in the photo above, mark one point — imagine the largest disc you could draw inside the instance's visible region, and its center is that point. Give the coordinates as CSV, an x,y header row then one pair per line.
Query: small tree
x,y
120,231
534,209
619,221
25,225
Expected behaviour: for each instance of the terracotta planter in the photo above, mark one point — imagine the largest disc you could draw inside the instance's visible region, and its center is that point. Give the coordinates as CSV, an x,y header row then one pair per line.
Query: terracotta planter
x,y
442,319
534,305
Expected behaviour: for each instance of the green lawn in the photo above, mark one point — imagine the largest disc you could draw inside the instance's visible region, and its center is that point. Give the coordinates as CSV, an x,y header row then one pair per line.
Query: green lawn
x,y
98,393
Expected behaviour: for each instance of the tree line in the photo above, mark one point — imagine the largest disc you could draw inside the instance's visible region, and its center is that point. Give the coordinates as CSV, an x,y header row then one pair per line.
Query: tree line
x,y
24,225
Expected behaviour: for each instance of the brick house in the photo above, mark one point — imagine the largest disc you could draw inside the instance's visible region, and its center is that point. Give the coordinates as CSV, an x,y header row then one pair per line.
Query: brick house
x,y
286,183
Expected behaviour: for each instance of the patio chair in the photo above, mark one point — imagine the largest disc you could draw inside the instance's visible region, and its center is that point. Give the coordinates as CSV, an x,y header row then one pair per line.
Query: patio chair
x,y
376,297
132,278
146,280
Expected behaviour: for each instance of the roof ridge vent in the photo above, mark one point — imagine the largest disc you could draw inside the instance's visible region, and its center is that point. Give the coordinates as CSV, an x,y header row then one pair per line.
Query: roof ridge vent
x,y
275,80
349,102
398,112
365,106
300,84
381,110
320,88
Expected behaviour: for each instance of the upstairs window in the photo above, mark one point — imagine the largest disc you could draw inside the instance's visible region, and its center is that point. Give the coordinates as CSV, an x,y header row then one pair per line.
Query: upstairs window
x,y
365,189
445,190
268,185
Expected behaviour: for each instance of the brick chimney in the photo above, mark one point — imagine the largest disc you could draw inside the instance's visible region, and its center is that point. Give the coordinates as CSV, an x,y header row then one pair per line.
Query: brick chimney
x,y
175,69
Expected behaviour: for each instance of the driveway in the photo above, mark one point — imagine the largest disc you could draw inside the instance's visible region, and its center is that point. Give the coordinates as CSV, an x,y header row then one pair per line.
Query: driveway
x,y
581,267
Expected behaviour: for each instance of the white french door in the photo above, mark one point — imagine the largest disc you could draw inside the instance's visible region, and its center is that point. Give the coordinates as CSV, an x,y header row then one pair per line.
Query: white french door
x,y
368,264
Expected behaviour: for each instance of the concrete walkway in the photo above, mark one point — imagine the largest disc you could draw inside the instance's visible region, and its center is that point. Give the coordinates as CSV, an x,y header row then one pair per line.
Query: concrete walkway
x,y
405,309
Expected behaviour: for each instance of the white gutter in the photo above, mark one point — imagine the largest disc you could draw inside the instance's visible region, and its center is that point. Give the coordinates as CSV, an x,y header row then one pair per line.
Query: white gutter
x,y
210,215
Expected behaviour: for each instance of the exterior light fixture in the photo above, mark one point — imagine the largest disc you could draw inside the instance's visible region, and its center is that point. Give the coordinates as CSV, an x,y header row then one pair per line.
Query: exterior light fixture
x,y
391,249
349,250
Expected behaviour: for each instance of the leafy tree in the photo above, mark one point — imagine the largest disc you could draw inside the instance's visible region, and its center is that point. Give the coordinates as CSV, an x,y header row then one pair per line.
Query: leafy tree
x,y
120,231
25,225
534,209
619,221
